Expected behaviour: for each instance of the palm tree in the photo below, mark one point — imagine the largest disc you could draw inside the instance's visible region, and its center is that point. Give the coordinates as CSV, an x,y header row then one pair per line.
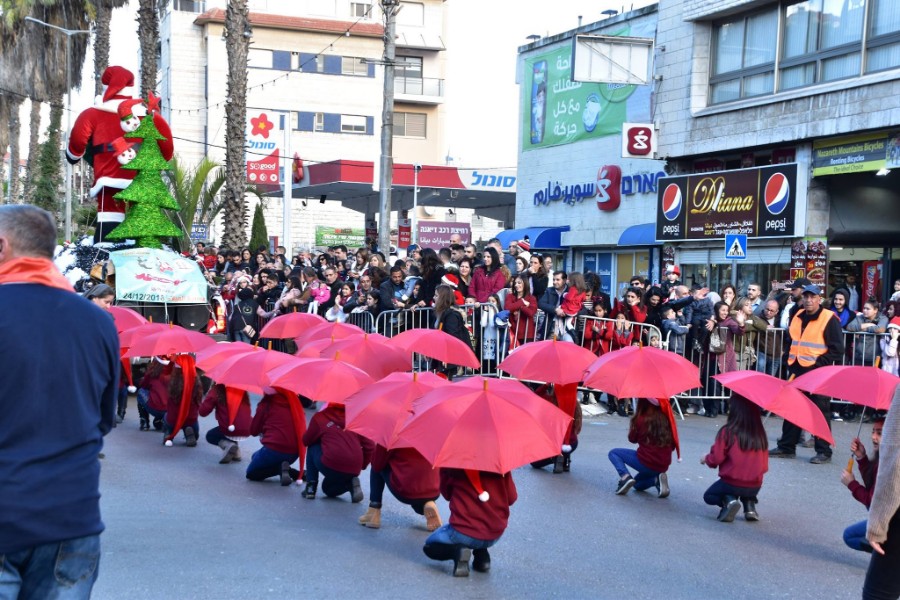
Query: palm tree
x,y
237,45
104,10
13,103
148,36
197,196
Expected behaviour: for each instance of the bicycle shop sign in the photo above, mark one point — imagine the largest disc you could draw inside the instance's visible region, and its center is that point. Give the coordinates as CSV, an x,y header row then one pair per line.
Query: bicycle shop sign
x,y
609,187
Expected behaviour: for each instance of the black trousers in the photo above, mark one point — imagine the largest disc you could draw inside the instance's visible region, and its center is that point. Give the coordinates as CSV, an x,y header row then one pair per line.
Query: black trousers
x,y
882,582
790,433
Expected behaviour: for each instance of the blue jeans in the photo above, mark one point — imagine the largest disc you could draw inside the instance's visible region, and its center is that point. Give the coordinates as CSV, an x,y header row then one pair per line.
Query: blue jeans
x,y
768,365
215,435
266,463
449,536
143,399
334,483
855,535
57,571
622,458
714,496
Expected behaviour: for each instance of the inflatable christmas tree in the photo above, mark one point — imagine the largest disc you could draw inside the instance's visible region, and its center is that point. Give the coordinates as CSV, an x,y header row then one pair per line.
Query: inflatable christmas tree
x,y
147,194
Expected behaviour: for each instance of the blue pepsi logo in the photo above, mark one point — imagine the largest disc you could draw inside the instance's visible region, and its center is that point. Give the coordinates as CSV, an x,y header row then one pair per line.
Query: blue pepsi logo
x,y
671,202
777,193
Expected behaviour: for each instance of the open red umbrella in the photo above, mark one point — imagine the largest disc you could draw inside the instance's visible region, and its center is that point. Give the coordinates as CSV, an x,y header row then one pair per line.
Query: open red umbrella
x,y
866,386
210,357
371,353
642,372
129,336
290,325
320,379
777,396
377,411
250,371
551,361
314,348
438,345
171,340
126,318
327,330
483,424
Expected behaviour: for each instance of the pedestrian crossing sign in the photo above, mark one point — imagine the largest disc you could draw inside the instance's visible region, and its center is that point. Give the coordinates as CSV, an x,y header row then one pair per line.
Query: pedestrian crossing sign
x,y
735,246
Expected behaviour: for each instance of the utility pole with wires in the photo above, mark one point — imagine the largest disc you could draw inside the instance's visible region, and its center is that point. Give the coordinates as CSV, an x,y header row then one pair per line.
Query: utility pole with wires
x,y
390,9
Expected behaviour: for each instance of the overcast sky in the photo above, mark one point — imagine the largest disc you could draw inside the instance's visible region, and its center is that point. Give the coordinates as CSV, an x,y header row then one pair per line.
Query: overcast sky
x,y
482,93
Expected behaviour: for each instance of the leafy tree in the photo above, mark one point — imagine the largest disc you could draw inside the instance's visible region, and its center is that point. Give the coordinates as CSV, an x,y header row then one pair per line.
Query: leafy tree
x,y
259,236
48,178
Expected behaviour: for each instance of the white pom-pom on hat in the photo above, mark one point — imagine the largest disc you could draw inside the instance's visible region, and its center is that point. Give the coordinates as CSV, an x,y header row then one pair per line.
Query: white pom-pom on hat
x,y
484,496
566,448
231,427
132,389
169,443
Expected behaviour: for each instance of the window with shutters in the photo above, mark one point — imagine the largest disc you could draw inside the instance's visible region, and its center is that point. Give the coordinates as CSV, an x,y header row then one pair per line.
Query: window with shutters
x,y
353,124
412,125
351,65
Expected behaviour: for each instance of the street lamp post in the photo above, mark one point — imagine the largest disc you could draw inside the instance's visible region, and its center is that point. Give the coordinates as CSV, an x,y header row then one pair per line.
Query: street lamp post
x,y
68,33
414,230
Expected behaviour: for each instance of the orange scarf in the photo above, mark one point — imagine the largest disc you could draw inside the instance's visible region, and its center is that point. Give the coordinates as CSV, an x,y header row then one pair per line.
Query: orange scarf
x,y
33,270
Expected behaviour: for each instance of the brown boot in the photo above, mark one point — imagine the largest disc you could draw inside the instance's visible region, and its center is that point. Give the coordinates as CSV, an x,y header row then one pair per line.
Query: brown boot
x,y
432,516
370,512
237,453
228,450
375,521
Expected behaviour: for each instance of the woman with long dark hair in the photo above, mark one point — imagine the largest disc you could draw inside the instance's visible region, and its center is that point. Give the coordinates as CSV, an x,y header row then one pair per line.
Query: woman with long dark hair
x,y
652,431
488,278
741,454
720,355
432,272
522,307
465,276
449,320
538,278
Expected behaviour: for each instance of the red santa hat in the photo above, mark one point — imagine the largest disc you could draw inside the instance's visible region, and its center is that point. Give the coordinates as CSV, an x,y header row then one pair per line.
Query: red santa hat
x,y
895,323
120,145
125,108
475,480
451,280
524,245
116,79
673,269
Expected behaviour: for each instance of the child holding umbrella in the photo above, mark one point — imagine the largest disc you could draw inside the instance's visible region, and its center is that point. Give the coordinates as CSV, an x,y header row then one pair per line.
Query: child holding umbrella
x,y
741,454
653,430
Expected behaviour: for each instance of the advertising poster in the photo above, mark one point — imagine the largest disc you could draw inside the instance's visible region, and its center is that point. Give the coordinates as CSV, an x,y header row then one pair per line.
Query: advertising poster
x,y
759,202
263,166
559,111
404,233
149,275
856,154
436,234
809,259
352,237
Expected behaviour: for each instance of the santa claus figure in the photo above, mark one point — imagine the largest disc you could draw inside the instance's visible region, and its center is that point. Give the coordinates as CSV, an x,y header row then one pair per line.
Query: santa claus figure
x,y
92,138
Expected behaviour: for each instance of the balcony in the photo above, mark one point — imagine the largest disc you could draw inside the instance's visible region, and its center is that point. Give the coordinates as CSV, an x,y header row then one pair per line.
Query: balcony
x,y
419,90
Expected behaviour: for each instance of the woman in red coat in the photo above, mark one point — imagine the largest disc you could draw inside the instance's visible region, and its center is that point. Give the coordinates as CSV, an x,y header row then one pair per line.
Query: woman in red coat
x,y
227,434
522,307
479,513
488,279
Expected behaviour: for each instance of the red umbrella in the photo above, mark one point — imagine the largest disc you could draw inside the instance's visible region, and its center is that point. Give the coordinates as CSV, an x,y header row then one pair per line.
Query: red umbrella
x,y
438,345
379,410
314,348
250,371
170,340
642,372
777,396
127,337
290,325
126,318
551,361
371,353
866,386
320,379
327,330
210,357
483,424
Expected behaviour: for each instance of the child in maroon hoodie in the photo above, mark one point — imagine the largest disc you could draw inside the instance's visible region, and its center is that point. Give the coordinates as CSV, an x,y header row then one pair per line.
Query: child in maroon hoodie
x,y
654,434
153,393
479,513
227,434
274,423
410,478
741,452
339,455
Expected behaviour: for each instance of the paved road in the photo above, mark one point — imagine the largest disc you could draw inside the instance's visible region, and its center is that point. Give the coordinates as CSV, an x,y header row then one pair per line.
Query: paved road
x,y
179,525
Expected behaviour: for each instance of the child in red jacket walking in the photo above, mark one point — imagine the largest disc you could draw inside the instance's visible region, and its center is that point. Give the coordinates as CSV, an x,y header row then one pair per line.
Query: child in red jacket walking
x,y
339,455
228,433
479,513
274,423
741,452
653,430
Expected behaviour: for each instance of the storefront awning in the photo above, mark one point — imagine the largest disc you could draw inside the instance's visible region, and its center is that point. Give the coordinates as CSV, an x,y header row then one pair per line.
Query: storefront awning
x,y
545,238
639,235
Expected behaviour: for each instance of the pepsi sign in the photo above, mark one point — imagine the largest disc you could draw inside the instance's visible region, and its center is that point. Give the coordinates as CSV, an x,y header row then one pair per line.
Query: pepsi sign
x,y
756,202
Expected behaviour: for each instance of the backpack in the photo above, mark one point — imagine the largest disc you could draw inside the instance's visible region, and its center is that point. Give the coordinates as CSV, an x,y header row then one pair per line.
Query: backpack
x,y
716,342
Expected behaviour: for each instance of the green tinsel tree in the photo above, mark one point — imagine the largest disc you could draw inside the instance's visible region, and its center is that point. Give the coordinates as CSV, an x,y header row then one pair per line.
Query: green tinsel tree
x,y
259,235
147,194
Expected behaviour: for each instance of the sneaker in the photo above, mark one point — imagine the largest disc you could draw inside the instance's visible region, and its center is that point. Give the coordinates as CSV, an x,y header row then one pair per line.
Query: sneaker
x,y
558,464
729,511
662,485
356,493
286,474
691,410
625,485
781,453
190,438
820,459
701,412
836,416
